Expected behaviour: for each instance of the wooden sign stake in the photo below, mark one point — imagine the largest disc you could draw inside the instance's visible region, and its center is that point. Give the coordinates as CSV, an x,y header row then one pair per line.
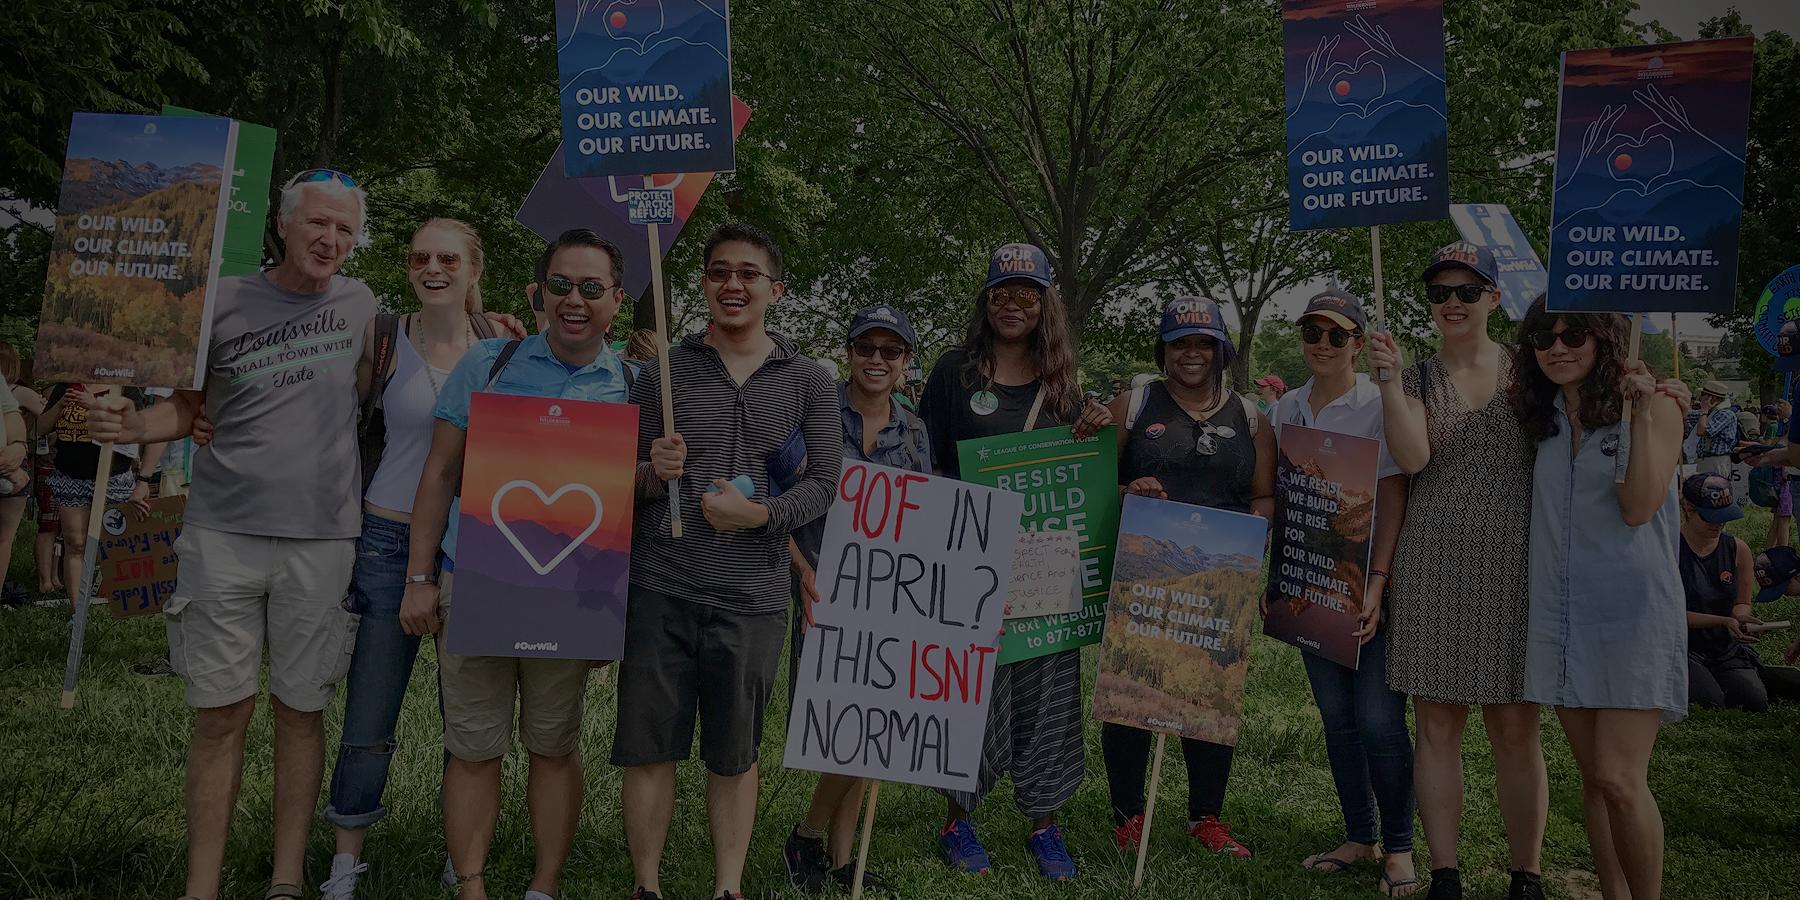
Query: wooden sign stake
x,y
90,554
1637,338
1381,374
662,360
862,851
1137,878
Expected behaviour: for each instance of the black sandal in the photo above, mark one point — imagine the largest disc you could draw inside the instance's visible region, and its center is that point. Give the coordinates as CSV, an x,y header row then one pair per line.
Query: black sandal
x,y
1389,885
285,891
1326,864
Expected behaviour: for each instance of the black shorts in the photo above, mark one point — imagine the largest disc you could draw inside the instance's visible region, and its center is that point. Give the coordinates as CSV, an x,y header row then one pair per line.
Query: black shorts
x,y
683,657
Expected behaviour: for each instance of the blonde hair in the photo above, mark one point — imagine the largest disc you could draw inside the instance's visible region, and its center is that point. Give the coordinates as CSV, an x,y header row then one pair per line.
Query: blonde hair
x,y
477,259
9,362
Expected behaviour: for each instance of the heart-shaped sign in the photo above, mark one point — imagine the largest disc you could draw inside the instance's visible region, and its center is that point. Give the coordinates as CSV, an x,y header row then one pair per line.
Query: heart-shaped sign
x,y
1361,87
548,500
1641,162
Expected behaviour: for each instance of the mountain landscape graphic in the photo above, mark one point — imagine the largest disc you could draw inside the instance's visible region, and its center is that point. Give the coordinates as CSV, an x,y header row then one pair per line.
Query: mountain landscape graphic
x,y
1144,558
500,600
89,184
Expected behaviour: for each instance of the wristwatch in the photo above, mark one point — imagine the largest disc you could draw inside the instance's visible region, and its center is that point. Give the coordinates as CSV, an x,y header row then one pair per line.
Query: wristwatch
x,y
422,579
145,478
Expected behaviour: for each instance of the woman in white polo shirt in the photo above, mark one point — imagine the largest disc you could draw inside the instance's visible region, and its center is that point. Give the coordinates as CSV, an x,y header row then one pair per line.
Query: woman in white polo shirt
x,y
1366,740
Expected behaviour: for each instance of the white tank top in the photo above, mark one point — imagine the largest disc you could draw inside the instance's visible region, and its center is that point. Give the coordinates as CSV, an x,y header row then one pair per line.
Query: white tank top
x,y
406,408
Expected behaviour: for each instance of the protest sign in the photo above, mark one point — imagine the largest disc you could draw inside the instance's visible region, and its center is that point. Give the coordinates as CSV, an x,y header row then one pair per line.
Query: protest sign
x,y
135,258
1367,134
137,556
1186,582
1069,485
894,674
1779,302
1046,575
1650,177
558,203
1522,276
543,544
1324,515
253,165
645,86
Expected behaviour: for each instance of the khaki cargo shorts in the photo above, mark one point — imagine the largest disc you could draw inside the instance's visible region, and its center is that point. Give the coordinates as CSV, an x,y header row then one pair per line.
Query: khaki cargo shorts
x,y
236,592
479,693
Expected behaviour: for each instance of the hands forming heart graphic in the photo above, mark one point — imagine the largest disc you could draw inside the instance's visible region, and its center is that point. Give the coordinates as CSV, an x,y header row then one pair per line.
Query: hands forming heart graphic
x,y
548,500
1359,88
634,21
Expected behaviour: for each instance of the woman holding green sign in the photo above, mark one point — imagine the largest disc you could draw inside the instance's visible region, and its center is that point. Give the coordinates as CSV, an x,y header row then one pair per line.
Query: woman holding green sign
x,y
1015,372
1187,438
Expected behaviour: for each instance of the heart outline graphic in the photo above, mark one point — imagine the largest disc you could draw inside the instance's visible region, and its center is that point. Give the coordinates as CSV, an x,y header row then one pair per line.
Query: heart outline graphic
x,y
1655,154
656,17
548,500
1361,104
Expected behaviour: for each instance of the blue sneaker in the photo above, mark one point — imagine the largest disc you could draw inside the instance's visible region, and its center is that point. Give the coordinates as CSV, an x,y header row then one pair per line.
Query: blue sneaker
x,y
962,850
1052,854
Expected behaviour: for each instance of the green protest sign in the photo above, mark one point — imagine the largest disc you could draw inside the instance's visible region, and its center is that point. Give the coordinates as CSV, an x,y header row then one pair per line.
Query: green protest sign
x,y
1069,485
248,213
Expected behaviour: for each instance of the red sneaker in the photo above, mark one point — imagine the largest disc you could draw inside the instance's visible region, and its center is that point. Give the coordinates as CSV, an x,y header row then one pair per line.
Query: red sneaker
x,y
1216,836
1128,834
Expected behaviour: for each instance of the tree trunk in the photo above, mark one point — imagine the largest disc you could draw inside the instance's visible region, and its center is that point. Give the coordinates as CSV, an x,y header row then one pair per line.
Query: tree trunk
x,y
331,108
1248,316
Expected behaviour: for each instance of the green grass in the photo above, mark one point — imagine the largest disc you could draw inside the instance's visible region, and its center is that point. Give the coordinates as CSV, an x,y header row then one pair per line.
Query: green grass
x,y
90,799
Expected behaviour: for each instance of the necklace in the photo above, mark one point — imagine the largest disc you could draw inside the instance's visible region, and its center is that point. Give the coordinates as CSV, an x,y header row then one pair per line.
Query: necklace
x,y
437,387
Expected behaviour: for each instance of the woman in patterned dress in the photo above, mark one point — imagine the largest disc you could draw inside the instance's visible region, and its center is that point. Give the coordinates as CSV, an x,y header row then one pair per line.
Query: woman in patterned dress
x,y
1456,621
1607,641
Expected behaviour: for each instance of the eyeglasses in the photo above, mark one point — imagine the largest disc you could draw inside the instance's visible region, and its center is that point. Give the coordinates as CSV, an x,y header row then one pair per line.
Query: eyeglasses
x,y
311,176
1570,337
1023,298
560,286
450,261
1311,334
749,277
868,349
1467,293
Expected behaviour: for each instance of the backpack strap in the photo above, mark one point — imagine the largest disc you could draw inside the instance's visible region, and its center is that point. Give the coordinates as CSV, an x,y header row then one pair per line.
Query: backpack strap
x,y
630,378
387,336
1249,413
481,327
1135,407
506,355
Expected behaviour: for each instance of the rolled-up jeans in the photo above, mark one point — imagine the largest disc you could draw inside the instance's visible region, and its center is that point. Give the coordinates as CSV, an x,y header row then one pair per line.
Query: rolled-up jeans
x,y
379,672
1367,743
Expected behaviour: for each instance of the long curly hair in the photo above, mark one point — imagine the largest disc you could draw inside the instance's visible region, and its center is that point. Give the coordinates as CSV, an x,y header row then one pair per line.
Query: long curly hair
x,y
1533,394
1052,351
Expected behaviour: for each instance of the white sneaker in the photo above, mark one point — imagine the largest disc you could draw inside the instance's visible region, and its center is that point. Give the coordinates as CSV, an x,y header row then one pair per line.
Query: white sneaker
x,y
342,883
538,895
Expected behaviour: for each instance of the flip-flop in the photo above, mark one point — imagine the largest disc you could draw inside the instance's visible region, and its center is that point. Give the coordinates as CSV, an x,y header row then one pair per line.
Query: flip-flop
x,y
285,892
1389,885
1326,864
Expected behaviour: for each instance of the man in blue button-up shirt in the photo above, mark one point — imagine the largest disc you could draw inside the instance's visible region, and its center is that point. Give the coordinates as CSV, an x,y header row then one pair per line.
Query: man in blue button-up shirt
x,y
571,360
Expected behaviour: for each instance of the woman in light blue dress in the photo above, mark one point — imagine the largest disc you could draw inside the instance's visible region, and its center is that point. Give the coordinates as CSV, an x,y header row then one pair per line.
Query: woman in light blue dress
x,y
1607,641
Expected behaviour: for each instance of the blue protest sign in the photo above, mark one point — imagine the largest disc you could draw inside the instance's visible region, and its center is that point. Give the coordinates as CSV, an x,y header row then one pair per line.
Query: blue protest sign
x,y
1367,135
1522,277
1650,177
645,86
650,206
1779,302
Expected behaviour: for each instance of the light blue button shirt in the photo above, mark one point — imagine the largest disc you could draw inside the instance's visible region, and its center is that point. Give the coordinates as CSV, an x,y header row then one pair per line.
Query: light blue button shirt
x,y
533,371
1608,623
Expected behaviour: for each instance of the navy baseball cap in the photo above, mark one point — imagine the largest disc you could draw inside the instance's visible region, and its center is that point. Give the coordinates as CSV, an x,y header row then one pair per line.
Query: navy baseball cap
x,y
1463,255
1019,261
1775,568
1710,495
1787,346
1339,306
870,318
1184,316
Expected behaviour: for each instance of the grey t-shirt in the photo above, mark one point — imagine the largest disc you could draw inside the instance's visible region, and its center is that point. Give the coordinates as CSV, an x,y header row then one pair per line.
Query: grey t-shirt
x,y
281,391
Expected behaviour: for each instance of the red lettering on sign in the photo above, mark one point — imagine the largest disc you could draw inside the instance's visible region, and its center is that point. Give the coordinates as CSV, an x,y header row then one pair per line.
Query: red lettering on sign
x,y
900,518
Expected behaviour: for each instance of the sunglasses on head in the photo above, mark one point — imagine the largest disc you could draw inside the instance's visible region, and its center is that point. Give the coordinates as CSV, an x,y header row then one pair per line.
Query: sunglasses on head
x,y
1466,293
1571,338
1310,333
1021,297
749,277
560,286
868,349
312,176
420,259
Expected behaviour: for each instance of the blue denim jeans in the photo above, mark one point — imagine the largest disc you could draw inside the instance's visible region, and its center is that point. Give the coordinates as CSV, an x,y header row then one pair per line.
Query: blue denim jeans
x,y
1368,745
379,672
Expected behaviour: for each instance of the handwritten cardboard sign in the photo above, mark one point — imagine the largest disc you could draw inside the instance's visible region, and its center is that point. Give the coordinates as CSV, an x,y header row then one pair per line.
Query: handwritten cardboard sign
x,y
1046,575
1186,580
137,556
895,673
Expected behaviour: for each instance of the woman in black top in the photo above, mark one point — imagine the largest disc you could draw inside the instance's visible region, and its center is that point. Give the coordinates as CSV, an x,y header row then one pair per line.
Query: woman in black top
x,y
1187,438
1718,578
1016,372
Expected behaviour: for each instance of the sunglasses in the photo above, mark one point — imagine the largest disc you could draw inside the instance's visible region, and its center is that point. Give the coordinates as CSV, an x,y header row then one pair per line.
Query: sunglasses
x,y
1311,334
868,349
1466,293
1570,337
560,286
420,259
749,277
313,176
1023,298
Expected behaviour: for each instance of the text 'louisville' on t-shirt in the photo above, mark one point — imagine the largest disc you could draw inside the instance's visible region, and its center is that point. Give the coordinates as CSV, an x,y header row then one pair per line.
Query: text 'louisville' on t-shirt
x,y
732,430
281,392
